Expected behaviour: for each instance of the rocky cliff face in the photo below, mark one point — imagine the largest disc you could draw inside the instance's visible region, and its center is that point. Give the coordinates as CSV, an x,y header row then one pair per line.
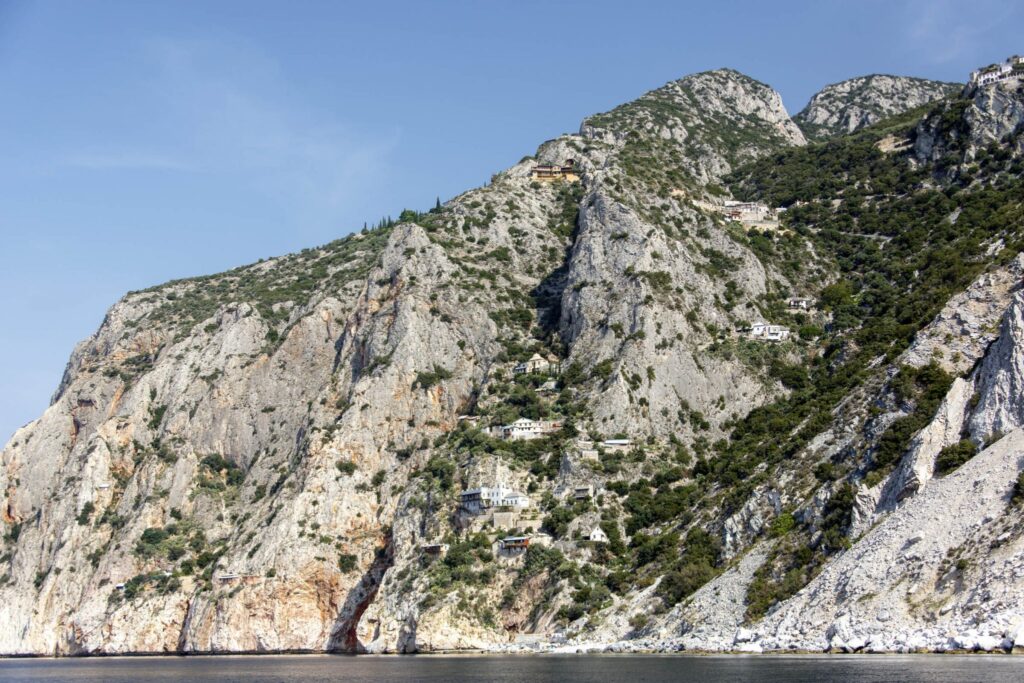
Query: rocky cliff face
x,y
270,458
845,107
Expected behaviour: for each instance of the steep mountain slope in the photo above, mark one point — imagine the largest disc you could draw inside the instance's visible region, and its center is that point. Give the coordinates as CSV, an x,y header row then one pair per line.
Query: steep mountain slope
x,y
232,462
271,458
845,107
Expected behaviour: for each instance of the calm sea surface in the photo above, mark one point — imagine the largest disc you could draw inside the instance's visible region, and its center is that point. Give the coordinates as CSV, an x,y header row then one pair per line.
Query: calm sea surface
x,y
522,669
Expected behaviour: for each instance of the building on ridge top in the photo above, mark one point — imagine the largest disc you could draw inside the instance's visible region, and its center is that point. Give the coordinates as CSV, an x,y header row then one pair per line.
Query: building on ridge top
x,y
566,171
1013,67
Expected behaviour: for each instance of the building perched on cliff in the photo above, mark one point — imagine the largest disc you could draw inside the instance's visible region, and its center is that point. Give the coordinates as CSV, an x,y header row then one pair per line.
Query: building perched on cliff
x,y
798,303
547,172
747,211
765,332
525,429
479,500
1013,67
536,363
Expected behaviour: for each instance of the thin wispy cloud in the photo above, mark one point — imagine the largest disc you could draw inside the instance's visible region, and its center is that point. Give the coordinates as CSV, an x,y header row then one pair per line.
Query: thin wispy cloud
x,y
944,31
119,161
236,112
222,108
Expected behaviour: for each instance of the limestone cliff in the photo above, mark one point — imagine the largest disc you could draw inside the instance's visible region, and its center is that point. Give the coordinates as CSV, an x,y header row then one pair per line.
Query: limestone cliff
x,y
271,458
850,105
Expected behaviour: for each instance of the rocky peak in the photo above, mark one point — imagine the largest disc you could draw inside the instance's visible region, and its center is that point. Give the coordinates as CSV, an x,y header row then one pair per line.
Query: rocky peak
x,y
271,458
963,131
712,121
850,105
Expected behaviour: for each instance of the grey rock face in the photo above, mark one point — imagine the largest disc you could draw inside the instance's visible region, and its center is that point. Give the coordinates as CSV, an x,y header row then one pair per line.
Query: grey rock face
x,y
715,120
990,114
253,461
233,463
850,105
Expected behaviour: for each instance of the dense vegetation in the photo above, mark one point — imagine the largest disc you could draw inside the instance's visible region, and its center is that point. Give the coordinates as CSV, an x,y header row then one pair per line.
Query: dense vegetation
x,y
904,238
268,286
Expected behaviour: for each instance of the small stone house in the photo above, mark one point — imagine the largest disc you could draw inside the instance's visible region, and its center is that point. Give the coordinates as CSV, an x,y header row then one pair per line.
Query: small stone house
x,y
617,445
584,492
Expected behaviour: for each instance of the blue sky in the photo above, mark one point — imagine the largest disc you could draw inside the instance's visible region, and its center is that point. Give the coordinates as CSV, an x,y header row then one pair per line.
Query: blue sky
x,y
142,141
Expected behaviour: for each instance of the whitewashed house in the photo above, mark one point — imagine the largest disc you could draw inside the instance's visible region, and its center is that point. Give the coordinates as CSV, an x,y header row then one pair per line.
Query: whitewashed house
x,y
525,429
1013,67
765,332
479,500
799,304
536,363
597,535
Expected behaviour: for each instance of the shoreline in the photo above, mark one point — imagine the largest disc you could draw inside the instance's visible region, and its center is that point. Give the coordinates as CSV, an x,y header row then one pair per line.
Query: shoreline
x,y
521,652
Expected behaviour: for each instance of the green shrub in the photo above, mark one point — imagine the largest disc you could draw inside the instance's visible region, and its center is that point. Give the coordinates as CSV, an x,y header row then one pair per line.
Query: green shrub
x,y
1018,490
442,471
425,380
781,525
86,513
951,457
347,562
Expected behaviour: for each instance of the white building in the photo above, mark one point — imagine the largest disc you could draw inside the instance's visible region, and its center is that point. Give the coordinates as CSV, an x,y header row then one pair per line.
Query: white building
x,y
748,211
480,500
766,332
1012,67
597,535
799,304
536,363
525,429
